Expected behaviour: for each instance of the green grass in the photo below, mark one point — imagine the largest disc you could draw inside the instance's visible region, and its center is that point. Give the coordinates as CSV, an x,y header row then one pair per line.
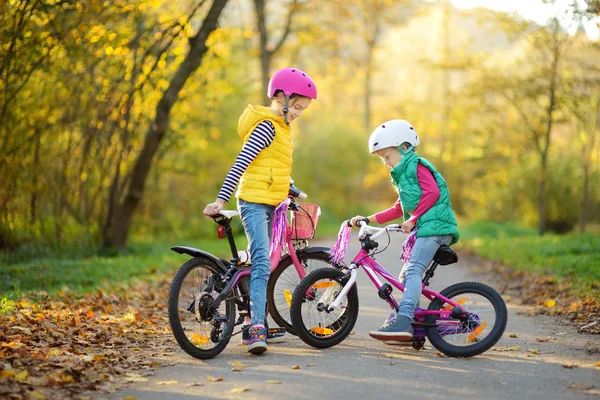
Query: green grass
x,y
576,256
79,273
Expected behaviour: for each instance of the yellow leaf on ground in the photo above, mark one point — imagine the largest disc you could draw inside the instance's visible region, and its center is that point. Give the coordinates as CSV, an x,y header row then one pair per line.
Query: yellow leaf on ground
x,y
598,364
273,382
550,303
240,390
36,395
238,366
7,373
296,367
513,335
514,348
167,382
213,379
533,351
21,376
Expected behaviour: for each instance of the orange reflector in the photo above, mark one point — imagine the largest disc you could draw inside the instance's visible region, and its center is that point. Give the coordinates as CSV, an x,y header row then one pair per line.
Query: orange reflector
x,y
473,336
198,339
288,297
460,302
321,331
324,285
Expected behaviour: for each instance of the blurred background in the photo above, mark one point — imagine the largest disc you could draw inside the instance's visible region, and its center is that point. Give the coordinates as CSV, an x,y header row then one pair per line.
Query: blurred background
x,y
119,119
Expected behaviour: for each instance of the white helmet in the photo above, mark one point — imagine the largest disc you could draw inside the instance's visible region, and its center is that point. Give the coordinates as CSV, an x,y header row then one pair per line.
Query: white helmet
x,y
392,134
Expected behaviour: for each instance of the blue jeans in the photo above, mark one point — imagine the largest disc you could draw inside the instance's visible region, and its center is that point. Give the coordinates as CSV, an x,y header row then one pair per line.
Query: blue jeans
x,y
257,220
422,253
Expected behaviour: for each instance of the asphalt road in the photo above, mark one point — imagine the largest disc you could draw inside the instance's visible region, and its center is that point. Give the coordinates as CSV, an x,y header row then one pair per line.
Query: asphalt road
x,y
554,361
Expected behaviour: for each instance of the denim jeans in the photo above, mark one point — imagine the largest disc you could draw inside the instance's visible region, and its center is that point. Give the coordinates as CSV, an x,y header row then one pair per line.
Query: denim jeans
x,y
412,274
257,220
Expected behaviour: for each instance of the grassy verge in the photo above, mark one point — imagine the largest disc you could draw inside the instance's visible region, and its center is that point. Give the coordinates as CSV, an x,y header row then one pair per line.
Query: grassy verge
x,y
82,272
574,256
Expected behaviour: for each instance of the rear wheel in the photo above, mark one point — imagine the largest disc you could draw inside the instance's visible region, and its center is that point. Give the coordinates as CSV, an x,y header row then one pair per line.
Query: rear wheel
x,y
201,330
470,334
312,320
284,280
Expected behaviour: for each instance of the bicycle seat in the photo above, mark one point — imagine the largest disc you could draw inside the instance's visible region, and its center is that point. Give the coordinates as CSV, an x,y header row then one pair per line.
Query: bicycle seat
x,y
445,255
229,213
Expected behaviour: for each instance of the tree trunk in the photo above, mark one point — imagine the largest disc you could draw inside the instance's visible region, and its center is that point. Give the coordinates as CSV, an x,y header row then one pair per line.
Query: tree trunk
x,y
119,228
542,198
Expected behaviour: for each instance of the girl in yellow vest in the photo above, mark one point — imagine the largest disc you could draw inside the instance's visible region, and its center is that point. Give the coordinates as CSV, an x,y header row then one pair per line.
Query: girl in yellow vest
x,y
262,170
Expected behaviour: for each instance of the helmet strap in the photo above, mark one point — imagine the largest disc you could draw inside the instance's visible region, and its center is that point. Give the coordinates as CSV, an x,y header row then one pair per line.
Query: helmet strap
x,y
404,152
285,110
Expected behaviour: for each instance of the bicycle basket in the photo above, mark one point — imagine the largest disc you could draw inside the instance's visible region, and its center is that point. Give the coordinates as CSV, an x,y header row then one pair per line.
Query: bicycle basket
x,y
304,221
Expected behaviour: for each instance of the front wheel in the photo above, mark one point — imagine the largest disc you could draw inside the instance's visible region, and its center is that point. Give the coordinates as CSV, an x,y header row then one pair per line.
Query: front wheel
x,y
284,280
201,330
471,333
314,323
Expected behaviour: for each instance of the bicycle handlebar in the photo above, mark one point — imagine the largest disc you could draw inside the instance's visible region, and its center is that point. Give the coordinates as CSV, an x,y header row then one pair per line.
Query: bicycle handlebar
x,y
375,232
295,192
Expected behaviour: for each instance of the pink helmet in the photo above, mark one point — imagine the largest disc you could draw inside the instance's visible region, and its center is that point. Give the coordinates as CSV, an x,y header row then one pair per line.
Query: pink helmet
x,y
292,81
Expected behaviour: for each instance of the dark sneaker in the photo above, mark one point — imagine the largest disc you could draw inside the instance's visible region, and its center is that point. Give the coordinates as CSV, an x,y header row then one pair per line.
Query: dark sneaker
x,y
276,335
257,343
399,328
245,334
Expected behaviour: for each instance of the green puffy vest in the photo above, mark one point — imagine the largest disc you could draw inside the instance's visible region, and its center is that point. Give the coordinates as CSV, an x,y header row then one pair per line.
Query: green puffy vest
x,y
439,219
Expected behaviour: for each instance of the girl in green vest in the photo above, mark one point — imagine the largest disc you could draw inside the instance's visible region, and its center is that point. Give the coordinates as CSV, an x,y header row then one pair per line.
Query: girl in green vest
x,y
262,170
424,202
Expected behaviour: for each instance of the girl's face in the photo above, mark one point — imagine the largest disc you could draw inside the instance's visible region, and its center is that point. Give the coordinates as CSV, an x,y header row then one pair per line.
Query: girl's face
x,y
296,106
390,156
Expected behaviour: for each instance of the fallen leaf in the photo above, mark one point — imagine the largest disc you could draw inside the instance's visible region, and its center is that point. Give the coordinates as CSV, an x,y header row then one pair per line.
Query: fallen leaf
x,y
136,379
598,364
37,395
240,390
273,382
352,333
513,335
547,339
213,379
195,384
569,366
534,351
440,354
550,303
21,376
296,367
238,366
167,382
311,365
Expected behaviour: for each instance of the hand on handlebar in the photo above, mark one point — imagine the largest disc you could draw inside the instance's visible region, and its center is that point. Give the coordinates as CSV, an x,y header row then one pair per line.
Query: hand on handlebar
x,y
354,220
408,226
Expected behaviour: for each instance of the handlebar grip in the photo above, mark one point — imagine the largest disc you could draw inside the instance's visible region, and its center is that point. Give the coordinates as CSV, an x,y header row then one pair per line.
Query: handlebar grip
x,y
302,195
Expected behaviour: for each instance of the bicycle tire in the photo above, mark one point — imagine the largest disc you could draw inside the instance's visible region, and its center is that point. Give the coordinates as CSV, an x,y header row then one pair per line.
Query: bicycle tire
x,y
478,346
340,327
176,319
277,303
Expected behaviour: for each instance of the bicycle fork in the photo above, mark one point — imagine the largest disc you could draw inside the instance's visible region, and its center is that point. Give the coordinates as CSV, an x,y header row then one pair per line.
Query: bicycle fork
x,y
330,291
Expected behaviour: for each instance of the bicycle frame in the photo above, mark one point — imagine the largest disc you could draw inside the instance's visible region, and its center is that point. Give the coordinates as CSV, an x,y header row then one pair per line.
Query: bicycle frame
x,y
275,258
374,271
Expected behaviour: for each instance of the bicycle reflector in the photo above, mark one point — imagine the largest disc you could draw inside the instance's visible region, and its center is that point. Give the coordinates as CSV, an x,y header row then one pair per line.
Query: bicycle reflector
x,y
221,232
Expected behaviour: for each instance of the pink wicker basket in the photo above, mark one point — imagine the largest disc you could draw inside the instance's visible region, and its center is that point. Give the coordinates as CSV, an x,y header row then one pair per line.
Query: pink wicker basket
x,y
304,221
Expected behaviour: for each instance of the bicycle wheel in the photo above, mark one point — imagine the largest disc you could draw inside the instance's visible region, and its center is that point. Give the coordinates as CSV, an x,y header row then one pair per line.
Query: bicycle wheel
x,y
315,325
283,282
200,330
471,334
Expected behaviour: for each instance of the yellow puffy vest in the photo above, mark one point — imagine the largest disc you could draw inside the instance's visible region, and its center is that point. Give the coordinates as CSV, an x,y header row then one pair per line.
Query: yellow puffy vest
x,y
267,178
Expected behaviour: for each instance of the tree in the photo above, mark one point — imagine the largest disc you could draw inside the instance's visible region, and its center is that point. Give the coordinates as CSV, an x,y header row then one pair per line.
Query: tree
x,y
268,51
119,226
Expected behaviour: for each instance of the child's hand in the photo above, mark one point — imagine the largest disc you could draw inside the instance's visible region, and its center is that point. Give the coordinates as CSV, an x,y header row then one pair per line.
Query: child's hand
x,y
408,226
213,209
354,220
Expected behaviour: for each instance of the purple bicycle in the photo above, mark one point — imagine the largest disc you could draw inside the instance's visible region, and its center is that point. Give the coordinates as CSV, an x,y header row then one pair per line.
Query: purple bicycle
x,y
463,320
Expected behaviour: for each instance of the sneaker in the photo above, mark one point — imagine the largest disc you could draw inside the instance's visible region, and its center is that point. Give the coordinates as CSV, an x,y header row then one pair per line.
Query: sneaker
x,y
245,334
399,328
276,335
257,343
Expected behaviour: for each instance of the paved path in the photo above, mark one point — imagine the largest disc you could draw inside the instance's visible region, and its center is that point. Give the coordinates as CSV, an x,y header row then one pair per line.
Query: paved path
x,y
363,368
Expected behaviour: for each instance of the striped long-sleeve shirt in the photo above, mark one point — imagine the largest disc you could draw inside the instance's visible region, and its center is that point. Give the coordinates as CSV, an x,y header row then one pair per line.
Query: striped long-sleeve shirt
x,y
259,139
